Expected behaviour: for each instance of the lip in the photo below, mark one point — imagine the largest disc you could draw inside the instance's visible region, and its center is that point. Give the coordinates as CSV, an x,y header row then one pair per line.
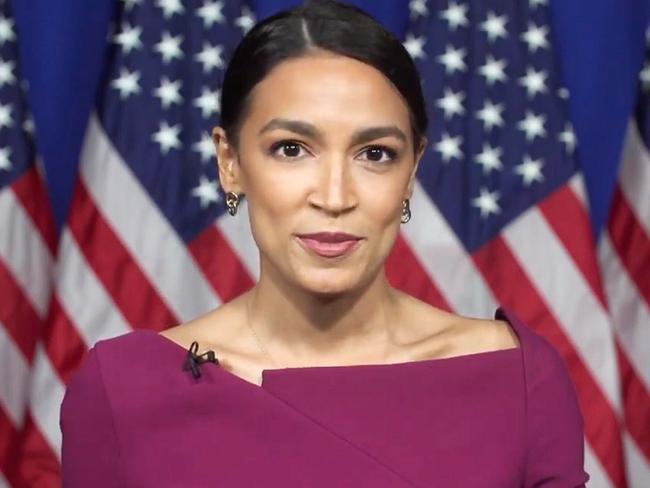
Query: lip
x,y
329,244
328,236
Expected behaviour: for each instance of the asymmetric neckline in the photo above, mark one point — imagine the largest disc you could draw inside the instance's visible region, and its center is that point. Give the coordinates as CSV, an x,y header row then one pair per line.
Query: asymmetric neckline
x,y
276,372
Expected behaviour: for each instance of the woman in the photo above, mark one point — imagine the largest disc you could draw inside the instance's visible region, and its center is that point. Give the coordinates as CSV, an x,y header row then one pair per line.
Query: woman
x,y
324,374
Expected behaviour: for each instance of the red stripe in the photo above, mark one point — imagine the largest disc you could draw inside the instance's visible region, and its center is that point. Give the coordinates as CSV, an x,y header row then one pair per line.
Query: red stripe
x,y
17,314
636,403
220,264
515,291
9,444
38,465
65,348
631,242
118,271
32,194
568,218
404,271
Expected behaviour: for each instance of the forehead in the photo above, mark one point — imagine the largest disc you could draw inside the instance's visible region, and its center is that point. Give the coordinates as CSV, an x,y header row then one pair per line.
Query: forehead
x,y
328,89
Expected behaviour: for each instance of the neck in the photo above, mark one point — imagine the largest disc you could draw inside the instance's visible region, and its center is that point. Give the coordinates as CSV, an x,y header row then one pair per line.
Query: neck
x,y
296,326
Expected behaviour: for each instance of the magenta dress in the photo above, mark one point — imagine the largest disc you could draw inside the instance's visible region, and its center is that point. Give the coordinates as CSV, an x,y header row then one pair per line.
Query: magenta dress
x,y
132,416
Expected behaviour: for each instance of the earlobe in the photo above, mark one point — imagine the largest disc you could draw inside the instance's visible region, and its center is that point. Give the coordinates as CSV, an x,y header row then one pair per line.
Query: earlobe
x,y
226,161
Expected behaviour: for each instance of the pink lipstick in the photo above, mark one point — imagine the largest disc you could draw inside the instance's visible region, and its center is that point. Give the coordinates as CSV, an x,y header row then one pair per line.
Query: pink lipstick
x,y
330,244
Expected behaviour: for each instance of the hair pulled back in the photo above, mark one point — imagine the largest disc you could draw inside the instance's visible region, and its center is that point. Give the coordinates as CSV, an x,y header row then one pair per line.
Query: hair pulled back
x,y
318,24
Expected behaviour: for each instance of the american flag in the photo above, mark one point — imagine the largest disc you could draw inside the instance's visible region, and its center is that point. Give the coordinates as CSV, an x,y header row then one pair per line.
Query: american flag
x,y
27,244
499,217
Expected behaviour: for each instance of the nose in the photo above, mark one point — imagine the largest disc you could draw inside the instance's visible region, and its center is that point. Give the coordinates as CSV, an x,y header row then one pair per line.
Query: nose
x,y
335,192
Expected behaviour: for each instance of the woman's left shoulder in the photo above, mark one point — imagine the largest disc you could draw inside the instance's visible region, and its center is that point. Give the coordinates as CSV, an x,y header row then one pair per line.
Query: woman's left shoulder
x,y
451,334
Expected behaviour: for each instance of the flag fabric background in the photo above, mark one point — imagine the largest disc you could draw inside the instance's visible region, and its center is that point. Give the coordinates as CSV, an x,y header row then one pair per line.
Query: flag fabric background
x,y
27,244
501,213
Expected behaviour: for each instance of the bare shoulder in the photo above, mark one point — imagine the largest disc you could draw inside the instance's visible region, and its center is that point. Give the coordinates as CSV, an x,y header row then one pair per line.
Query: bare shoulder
x,y
448,334
216,330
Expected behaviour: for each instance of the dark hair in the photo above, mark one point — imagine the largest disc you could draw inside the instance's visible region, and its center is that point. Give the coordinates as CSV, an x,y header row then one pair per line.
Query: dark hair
x,y
318,24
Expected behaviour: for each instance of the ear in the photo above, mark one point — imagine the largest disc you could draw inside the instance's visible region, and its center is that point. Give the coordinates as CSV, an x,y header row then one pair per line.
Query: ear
x,y
227,161
418,156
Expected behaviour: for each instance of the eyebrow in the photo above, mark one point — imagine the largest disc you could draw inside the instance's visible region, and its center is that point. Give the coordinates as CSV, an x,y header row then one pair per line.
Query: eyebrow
x,y
309,130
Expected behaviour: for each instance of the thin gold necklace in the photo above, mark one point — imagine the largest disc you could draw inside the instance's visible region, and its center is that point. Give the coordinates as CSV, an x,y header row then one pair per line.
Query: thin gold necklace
x,y
265,351
256,337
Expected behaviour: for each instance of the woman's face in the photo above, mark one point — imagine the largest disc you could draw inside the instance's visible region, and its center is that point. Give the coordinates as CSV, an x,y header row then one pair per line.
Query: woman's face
x,y
325,146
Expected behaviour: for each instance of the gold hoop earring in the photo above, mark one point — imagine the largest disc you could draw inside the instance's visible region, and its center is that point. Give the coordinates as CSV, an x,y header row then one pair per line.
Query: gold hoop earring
x,y
232,202
406,211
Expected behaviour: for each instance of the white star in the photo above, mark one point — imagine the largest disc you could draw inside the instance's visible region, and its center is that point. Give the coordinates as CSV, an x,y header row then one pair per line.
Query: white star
x,y
167,137
129,4
204,147
6,30
533,81
533,125
449,147
128,38
207,191
6,72
568,137
563,93
5,162
415,46
644,76
170,7
489,158
455,15
452,59
169,47
246,21
536,3
535,37
418,7
210,57
210,12
208,102
5,116
493,70
530,170
490,115
487,202
127,83
495,26
168,92
28,125
452,103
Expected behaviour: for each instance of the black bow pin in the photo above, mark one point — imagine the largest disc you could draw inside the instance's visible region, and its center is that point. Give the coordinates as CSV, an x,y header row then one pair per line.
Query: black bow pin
x,y
193,361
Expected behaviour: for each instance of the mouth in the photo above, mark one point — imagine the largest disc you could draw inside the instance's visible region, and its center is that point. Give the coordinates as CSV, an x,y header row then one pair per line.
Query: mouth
x,y
330,244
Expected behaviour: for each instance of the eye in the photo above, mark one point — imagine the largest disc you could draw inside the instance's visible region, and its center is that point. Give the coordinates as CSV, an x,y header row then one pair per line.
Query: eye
x,y
287,150
379,154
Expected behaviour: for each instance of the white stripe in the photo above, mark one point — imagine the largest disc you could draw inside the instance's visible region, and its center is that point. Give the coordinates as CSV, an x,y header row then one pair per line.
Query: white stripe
x,y
24,252
568,297
634,176
45,397
445,259
638,469
3,482
598,477
83,297
630,314
14,378
237,231
144,230
577,185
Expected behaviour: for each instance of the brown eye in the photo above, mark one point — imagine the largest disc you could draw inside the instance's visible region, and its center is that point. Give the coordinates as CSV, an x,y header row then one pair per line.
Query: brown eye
x,y
379,154
287,149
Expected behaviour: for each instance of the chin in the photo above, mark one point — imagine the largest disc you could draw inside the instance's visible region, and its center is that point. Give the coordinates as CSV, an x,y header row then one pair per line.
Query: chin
x,y
328,283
